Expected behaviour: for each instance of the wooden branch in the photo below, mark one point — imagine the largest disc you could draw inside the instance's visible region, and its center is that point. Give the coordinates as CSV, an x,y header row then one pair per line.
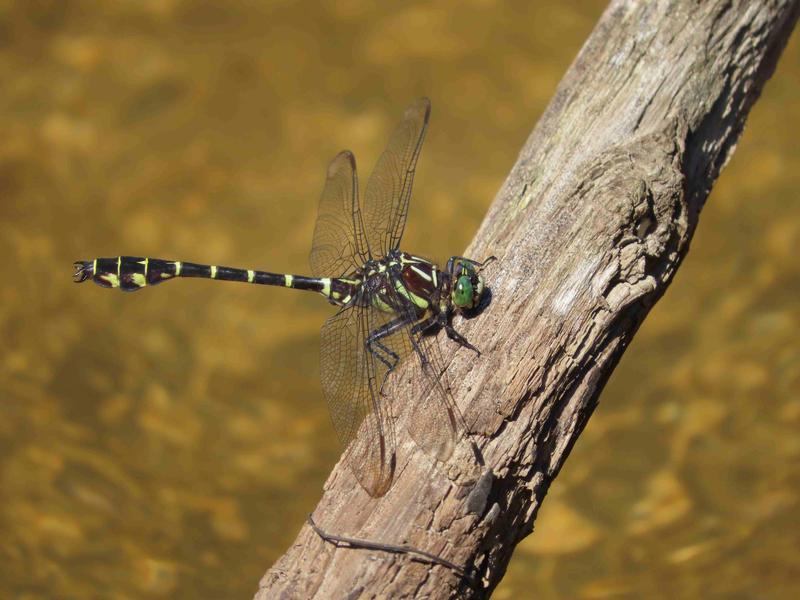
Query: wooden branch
x,y
589,228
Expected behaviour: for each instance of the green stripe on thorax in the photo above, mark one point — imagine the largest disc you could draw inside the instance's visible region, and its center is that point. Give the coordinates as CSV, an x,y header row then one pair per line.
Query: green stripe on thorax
x,y
418,301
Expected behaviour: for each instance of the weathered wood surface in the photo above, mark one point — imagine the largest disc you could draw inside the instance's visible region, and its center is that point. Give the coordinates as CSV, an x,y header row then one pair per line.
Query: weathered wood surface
x,y
589,228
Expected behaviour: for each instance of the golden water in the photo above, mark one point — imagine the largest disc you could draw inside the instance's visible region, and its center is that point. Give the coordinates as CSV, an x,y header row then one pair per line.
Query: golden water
x,y
168,444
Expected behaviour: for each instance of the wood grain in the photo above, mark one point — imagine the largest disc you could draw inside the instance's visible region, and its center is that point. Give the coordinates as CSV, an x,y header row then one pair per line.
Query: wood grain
x,y
589,228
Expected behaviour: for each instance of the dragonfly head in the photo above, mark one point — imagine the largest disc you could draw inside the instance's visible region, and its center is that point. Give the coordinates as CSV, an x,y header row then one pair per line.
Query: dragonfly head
x,y
468,286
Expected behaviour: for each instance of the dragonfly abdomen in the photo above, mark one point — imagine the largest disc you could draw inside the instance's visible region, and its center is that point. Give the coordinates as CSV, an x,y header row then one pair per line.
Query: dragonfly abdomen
x,y
128,273
131,273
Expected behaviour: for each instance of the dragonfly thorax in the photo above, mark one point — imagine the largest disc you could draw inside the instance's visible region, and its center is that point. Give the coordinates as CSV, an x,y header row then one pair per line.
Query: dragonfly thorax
x,y
400,283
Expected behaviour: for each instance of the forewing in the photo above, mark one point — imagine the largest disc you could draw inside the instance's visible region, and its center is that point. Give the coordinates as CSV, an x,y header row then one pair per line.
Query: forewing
x,y
351,384
389,187
339,246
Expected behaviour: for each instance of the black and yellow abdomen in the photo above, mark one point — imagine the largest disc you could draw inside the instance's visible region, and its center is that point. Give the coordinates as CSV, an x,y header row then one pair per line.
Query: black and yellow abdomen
x,y
131,273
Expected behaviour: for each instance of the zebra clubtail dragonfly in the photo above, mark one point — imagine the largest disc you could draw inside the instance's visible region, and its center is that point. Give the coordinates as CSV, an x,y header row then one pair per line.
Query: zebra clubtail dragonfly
x,y
389,301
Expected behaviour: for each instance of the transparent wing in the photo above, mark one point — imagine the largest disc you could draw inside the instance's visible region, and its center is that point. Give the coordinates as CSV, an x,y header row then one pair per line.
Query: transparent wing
x,y
351,380
389,187
433,419
339,245
434,422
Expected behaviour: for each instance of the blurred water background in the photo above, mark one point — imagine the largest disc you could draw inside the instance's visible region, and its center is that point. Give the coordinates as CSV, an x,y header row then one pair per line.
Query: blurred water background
x,y
168,444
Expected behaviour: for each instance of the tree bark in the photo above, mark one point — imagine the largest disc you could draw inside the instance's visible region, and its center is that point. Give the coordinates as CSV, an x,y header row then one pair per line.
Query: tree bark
x,y
589,228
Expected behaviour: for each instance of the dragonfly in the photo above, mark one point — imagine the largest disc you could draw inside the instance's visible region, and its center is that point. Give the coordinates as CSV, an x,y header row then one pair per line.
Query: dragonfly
x,y
390,302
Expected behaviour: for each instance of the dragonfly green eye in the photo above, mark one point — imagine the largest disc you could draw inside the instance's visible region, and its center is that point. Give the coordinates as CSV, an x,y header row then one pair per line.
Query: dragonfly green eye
x,y
463,294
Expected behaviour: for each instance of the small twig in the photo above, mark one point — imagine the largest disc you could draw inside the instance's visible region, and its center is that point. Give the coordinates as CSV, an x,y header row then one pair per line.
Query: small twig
x,y
414,553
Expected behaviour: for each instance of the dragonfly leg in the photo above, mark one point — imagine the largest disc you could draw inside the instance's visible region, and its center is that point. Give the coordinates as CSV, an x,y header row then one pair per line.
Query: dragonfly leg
x,y
425,324
386,355
463,259
459,339
417,330
486,261
454,335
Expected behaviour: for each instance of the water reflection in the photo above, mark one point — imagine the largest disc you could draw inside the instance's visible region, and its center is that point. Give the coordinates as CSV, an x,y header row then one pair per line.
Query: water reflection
x,y
169,444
